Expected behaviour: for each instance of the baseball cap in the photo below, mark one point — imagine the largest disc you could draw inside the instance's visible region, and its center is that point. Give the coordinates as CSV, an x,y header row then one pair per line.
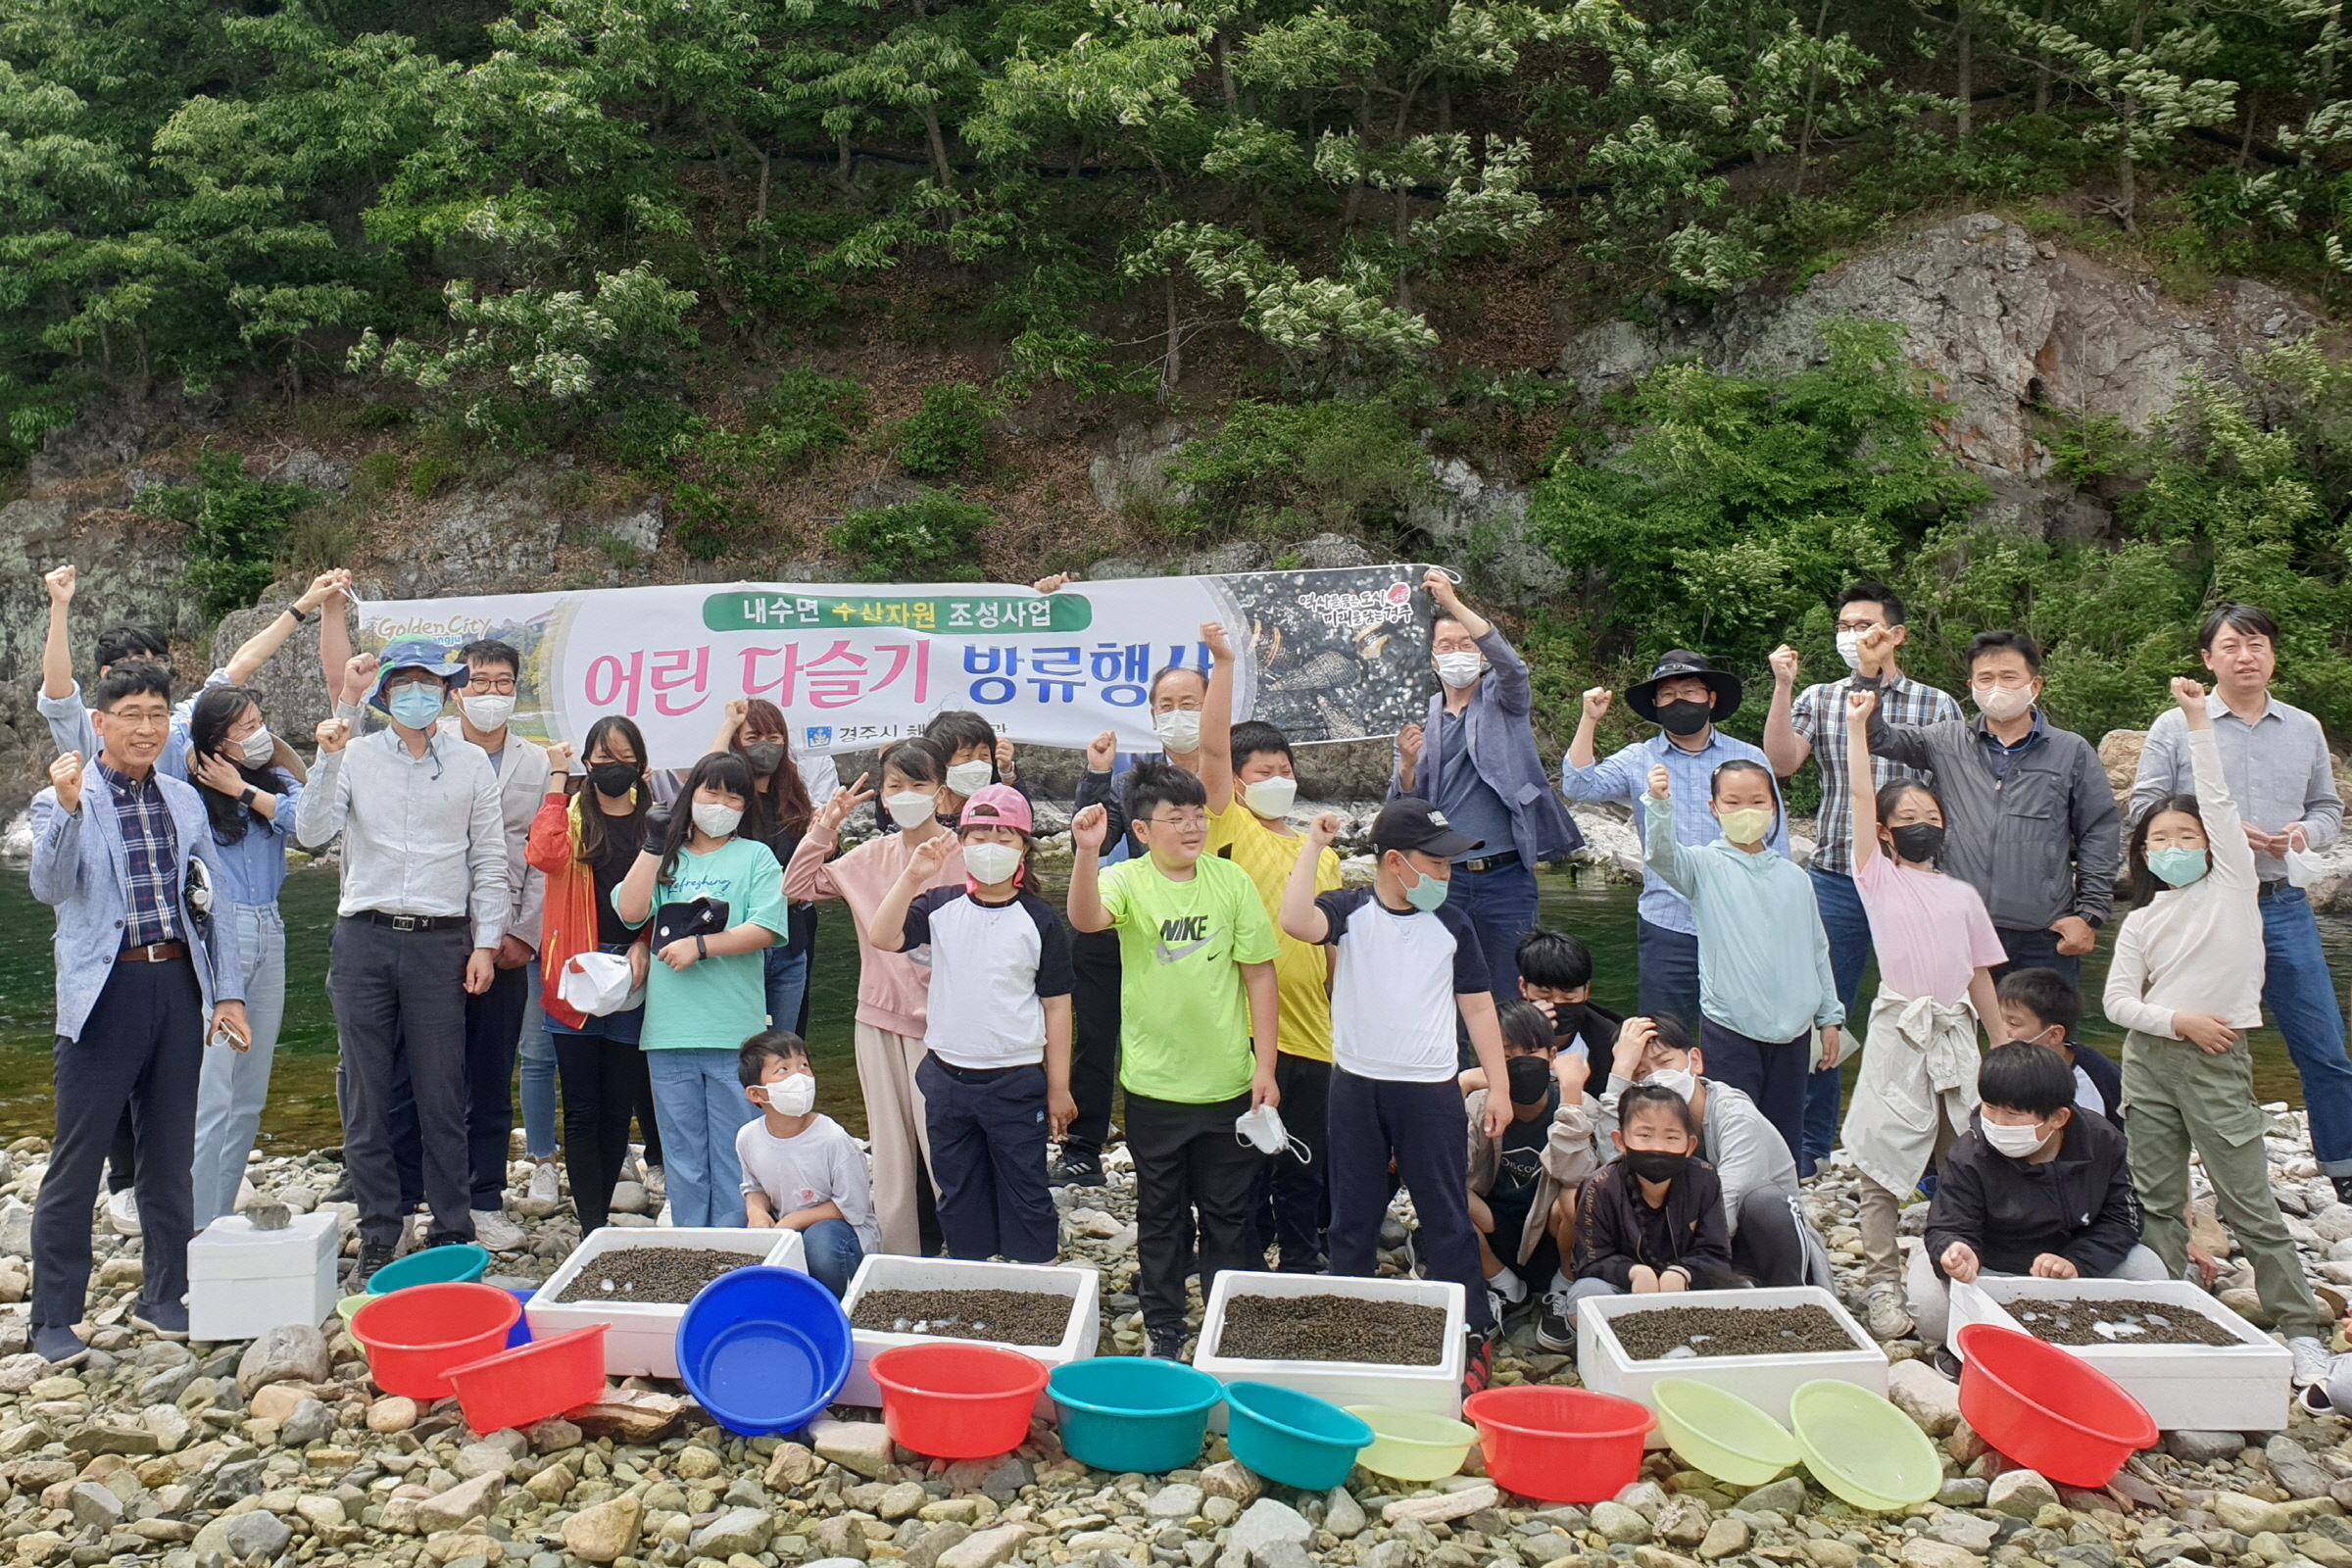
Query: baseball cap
x,y
998,805
1407,823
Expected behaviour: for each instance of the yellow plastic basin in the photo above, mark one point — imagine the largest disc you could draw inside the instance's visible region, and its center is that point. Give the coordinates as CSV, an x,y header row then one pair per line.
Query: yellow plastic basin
x,y
1721,1433
1412,1446
1863,1449
350,1305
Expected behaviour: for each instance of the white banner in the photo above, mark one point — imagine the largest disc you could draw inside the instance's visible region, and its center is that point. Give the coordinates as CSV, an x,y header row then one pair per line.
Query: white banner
x,y
1327,655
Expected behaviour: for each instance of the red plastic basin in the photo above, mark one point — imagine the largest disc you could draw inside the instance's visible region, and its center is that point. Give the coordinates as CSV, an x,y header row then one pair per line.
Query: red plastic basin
x,y
2046,1408
1558,1444
958,1401
532,1382
414,1337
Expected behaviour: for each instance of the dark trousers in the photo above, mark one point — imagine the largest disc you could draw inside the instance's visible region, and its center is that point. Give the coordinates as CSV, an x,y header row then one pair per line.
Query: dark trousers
x,y
1501,906
1095,1042
601,1081
1420,1127
988,1153
123,1160
392,989
1770,1072
2036,949
1765,1246
1669,967
493,1031
1847,925
1293,1202
142,1047
1188,1163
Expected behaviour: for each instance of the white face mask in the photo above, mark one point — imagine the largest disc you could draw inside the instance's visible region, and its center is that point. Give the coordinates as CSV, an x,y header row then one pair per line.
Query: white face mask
x,y
1262,1130
2001,703
259,747
1270,796
910,808
1849,649
1178,729
487,712
1460,669
2015,1142
1681,1083
991,863
795,1095
715,819
970,778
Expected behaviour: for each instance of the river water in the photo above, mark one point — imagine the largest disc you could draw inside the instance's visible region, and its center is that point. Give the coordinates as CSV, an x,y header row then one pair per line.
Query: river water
x,y
301,1113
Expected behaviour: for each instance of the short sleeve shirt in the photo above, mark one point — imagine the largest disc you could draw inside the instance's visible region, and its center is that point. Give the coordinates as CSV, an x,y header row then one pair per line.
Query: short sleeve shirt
x,y
822,1165
1929,931
1301,971
1184,1017
992,964
717,1002
1391,993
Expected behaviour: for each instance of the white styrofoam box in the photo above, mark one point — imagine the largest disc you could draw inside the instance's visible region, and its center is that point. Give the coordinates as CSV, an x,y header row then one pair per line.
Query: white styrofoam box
x,y
2235,1388
892,1271
1763,1381
1433,1390
641,1340
242,1283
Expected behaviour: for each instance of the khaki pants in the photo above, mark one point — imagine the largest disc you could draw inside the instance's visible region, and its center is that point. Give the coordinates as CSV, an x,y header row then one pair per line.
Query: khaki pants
x,y
1881,1218
896,1131
2175,1099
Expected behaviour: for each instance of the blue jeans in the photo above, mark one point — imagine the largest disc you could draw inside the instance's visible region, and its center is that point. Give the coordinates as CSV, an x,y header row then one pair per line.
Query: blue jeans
x,y
834,1252
702,1105
2039,949
538,1054
1501,906
1849,928
787,983
2302,994
1669,962
236,1082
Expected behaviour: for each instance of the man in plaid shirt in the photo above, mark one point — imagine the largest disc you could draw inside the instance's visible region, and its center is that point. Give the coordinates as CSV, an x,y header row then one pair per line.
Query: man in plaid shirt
x,y
1814,726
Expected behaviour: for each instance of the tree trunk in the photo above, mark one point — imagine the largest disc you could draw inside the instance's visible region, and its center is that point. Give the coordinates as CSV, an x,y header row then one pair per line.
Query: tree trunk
x,y
2127,163
938,148
1805,134
1355,188
2041,66
1171,365
1965,44
1224,71
2246,143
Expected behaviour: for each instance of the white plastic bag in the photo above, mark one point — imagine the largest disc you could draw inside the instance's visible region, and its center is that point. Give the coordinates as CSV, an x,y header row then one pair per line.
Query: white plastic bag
x,y
598,984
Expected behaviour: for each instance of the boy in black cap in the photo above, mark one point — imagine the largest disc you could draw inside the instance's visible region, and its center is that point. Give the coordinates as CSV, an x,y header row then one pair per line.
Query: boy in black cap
x,y
1407,964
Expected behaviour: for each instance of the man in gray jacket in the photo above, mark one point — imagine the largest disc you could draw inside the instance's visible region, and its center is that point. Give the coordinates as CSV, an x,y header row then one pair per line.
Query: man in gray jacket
x,y
2030,818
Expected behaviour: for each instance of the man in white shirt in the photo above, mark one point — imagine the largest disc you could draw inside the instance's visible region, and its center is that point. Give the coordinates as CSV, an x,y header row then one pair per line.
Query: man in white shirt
x,y
425,904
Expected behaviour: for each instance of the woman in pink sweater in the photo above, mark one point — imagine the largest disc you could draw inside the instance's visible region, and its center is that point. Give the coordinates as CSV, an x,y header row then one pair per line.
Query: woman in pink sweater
x,y
893,988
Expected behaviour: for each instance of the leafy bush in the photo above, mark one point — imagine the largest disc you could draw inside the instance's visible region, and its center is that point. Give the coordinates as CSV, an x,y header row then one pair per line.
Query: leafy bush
x,y
1291,469
804,416
926,539
947,433
713,513
236,526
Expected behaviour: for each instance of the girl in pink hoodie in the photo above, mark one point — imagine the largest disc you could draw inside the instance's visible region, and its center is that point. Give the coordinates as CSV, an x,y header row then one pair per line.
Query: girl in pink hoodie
x,y
893,988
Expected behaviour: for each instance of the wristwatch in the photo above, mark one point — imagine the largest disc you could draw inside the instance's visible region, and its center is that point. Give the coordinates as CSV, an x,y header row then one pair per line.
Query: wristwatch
x,y
250,795
700,950
294,608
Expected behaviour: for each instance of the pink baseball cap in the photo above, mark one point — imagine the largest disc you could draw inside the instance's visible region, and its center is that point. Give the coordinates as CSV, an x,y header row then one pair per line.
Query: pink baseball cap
x,y
998,805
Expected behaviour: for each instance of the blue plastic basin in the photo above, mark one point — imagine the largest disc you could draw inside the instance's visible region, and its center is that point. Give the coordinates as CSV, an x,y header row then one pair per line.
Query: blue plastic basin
x,y
763,1349
521,1334
1293,1438
1126,1413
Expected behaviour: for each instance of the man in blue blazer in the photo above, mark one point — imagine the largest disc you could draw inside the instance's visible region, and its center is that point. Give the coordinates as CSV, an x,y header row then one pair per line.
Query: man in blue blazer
x,y
125,856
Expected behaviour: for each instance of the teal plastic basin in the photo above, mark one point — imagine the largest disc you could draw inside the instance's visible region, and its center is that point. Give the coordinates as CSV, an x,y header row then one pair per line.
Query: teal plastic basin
x,y
1127,1412
1293,1438
459,1263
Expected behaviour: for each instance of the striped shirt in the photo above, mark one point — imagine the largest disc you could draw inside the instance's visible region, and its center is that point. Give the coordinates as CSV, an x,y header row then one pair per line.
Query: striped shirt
x,y
1819,716
150,856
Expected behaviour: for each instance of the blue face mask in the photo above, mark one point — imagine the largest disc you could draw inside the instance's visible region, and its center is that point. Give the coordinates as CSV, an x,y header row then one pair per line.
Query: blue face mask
x,y
1427,894
2176,867
417,706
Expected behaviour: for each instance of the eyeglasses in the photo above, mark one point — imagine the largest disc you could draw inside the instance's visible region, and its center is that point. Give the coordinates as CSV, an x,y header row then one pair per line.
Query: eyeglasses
x,y
1178,820
140,718
502,685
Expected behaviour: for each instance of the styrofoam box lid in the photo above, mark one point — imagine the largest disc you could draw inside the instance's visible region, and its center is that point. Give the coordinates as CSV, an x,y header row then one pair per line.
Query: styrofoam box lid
x,y
230,1248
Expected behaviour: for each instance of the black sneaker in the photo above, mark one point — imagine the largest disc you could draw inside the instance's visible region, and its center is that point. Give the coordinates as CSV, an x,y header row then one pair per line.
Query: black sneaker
x,y
1555,1330
166,1320
1945,1361
1076,1170
2343,1189
1478,1367
372,1256
59,1346
441,1238
1167,1345
340,1193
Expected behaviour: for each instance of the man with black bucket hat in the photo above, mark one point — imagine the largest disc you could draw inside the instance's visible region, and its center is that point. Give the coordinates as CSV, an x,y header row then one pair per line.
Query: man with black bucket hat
x,y
1687,698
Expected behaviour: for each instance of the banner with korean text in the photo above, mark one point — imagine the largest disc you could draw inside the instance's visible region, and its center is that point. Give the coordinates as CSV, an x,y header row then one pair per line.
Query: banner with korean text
x,y
1327,655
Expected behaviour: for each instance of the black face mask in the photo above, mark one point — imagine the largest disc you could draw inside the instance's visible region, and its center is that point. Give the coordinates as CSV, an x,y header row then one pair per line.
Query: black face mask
x,y
1686,717
1530,1080
1917,841
614,780
1655,1164
765,756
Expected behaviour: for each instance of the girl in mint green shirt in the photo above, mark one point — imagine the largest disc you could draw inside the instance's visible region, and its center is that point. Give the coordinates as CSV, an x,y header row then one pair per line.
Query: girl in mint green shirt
x,y
706,995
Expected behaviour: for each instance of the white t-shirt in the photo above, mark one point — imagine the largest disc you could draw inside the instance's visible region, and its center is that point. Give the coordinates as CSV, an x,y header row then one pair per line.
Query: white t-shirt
x,y
822,1164
1393,986
992,967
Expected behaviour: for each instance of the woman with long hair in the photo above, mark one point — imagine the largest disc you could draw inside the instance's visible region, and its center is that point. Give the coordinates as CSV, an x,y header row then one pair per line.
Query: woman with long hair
x,y
753,730
584,844
250,806
713,895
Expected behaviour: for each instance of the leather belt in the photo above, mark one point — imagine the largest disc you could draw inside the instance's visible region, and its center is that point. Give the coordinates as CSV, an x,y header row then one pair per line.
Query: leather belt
x,y
1489,862
409,922
153,953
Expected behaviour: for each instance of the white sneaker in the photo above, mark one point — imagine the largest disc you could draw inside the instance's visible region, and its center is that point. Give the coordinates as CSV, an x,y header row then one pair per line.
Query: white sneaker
x,y
498,1232
546,1185
2310,1360
1887,1317
123,1212
663,1219
657,1182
